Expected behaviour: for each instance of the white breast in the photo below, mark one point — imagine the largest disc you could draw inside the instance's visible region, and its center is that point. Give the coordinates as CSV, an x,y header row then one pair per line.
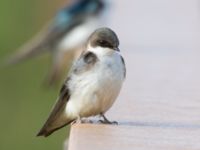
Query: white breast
x,y
97,89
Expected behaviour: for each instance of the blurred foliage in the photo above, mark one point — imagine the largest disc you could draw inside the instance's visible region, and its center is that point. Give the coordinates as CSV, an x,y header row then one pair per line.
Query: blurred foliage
x,y
24,103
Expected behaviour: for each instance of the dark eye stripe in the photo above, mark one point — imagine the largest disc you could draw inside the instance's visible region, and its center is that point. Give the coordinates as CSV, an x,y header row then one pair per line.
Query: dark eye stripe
x,y
103,43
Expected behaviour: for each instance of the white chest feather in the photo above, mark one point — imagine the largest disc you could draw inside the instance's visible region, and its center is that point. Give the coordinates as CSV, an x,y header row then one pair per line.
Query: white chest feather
x,y
95,91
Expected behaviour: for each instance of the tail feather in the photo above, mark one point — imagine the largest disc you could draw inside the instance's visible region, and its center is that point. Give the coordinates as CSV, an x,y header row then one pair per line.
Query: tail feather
x,y
58,117
24,55
37,45
46,131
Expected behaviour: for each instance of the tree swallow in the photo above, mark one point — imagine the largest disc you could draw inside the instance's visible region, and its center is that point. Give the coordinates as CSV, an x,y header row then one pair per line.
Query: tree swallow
x,y
92,85
64,36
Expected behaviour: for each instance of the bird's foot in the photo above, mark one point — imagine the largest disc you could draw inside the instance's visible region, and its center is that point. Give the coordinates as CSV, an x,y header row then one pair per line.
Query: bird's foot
x,y
106,121
77,121
81,120
85,120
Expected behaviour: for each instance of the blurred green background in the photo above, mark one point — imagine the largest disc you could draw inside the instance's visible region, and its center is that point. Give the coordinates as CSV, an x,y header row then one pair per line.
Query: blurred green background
x,y
24,102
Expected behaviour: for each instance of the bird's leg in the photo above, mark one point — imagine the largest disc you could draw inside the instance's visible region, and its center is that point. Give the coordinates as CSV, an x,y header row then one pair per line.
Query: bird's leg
x,y
80,120
77,121
105,120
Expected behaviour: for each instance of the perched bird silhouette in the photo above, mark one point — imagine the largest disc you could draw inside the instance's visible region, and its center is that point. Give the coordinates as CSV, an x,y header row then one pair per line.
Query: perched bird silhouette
x,y
92,85
64,36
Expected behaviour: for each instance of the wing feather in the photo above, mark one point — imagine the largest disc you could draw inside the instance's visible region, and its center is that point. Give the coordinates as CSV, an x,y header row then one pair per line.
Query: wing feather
x,y
57,118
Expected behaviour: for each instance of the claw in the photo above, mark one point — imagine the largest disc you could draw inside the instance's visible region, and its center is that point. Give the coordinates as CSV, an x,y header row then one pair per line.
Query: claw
x,y
106,121
79,120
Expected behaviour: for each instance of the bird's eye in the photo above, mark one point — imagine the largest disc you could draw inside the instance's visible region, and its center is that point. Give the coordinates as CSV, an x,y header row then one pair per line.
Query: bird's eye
x,y
104,43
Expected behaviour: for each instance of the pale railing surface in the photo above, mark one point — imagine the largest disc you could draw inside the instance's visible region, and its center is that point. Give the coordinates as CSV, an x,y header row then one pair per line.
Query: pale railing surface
x,y
158,108
159,105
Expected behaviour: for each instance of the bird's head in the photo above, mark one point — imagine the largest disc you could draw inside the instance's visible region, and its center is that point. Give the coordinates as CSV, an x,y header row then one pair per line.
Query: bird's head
x,y
104,37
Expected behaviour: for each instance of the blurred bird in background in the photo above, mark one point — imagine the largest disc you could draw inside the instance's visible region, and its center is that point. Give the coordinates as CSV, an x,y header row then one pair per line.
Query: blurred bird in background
x,y
64,36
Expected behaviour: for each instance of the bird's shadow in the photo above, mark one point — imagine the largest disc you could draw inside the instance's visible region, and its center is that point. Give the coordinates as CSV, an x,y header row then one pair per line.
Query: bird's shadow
x,y
160,124
152,124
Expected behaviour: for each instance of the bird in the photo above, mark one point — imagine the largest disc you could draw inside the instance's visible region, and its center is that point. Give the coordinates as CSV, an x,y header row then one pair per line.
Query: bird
x,y
93,84
64,36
